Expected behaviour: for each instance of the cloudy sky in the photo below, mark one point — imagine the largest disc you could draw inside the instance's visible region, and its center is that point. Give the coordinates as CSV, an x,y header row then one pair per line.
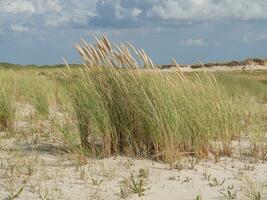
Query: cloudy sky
x,y
45,31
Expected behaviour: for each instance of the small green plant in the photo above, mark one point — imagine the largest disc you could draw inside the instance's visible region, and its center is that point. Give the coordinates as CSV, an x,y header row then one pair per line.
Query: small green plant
x,y
96,181
124,193
174,178
187,180
128,163
193,162
143,173
253,189
16,195
138,186
178,166
198,197
125,189
248,167
256,196
206,176
214,182
229,192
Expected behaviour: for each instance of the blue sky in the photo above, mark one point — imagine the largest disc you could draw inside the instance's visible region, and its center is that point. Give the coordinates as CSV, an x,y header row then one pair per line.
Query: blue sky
x,y
45,31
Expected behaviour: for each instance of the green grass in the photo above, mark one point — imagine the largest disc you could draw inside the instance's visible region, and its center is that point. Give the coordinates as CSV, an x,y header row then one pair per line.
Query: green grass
x,y
119,103
39,89
7,110
238,86
122,108
33,89
152,114
7,103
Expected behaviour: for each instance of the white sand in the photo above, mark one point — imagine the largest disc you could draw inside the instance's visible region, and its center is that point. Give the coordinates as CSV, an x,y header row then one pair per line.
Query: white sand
x,y
225,68
49,175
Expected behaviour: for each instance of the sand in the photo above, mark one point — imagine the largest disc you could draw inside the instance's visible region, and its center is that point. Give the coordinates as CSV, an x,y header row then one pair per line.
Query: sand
x,y
225,68
46,172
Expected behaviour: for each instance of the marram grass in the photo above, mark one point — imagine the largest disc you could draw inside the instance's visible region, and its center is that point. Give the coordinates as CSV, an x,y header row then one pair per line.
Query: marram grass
x,y
7,103
125,105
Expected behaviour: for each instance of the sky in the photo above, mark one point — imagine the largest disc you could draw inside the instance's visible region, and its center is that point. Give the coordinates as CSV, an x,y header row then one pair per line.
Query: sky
x,y
45,31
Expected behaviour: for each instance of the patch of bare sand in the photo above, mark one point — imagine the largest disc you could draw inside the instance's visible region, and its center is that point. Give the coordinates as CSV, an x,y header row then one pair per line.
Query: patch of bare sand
x,y
53,175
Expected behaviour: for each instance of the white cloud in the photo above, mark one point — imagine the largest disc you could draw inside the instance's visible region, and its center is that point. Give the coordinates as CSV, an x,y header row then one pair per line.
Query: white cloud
x,y
193,42
56,21
30,6
47,13
126,13
18,28
16,6
54,5
136,12
67,13
46,6
209,9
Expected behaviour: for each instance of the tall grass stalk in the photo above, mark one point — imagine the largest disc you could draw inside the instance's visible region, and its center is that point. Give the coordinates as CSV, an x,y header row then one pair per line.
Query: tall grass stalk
x,y
125,105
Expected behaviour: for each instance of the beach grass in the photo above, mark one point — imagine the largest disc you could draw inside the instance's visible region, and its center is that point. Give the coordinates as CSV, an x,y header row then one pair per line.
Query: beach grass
x,y
120,103
126,106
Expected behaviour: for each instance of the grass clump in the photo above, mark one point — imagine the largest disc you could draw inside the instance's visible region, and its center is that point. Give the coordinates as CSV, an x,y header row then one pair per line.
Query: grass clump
x,y
250,94
253,189
240,86
7,105
38,94
34,89
6,111
125,105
